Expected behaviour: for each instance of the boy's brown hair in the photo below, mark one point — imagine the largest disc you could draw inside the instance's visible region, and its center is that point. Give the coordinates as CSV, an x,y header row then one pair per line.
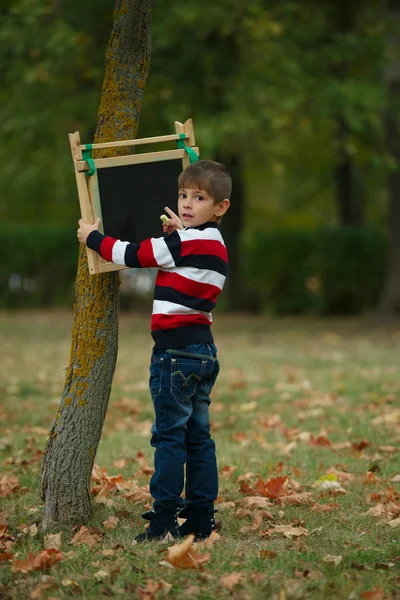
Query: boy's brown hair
x,y
207,175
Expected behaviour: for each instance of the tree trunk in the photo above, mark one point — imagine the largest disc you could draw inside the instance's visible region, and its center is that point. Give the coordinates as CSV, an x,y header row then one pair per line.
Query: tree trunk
x,y
349,193
390,300
75,434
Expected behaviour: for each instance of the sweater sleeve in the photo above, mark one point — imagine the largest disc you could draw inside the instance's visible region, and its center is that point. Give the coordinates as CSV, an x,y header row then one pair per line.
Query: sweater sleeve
x,y
153,252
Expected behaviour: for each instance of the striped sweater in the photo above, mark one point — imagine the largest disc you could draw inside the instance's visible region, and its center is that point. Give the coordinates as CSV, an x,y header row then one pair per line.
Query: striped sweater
x,y
192,265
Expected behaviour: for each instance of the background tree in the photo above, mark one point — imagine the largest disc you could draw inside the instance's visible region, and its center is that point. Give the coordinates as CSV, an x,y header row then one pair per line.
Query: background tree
x,y
390,300
75,434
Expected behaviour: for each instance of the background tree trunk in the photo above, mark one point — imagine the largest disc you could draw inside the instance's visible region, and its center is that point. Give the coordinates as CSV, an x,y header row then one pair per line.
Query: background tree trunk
x,y
76,431
390,300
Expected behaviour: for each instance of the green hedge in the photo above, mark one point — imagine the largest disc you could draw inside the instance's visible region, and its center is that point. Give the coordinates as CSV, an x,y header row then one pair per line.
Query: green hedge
x,y
325,272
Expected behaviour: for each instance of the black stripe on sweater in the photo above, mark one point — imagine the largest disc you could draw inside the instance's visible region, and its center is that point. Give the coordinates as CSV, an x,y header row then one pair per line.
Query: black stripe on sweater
x,y
169,294
204,261
173,242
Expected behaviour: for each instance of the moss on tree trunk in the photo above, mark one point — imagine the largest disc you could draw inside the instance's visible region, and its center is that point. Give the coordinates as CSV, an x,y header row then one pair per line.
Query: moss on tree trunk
x,y
76,432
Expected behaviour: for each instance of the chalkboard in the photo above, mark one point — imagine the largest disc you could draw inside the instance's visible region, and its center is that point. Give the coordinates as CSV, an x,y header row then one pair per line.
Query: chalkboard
x,y
128,192
133,197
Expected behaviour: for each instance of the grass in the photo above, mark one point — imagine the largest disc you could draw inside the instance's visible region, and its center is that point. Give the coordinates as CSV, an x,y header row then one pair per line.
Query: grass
x,y
280,383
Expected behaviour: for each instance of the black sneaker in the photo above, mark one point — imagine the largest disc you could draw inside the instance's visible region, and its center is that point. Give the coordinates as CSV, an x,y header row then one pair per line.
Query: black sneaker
x,y
199,521
162,521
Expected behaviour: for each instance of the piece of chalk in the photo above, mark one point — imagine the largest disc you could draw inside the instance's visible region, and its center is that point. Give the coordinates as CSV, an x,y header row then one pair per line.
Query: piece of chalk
x,y
164,219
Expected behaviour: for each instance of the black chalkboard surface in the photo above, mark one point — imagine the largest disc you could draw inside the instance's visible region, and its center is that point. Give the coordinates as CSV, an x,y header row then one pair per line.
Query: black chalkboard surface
x,y
133,197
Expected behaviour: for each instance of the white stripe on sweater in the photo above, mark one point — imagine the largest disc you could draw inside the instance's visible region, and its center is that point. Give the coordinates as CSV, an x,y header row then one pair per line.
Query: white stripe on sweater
x,y
200,275
210,233
118,252
163,307
162,254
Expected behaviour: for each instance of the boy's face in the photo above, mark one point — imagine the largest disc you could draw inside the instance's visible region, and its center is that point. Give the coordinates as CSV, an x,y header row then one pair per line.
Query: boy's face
x,y
196,207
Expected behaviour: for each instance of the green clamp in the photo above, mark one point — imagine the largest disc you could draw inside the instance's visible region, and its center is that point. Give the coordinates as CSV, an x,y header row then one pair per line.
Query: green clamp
x,y
182,146
86,156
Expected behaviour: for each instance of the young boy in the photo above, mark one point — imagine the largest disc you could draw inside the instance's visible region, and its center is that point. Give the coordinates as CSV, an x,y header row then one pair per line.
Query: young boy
x,y
192,261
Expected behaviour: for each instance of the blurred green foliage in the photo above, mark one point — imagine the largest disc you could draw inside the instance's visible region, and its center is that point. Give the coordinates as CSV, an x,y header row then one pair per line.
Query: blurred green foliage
x,y
267,81
324,272
331,271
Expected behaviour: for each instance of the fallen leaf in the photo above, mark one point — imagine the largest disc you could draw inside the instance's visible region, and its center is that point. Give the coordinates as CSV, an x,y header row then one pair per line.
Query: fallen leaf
x,y
6,556
296,499
40,588
271,488
185,555
395,478
8,485
255,502
287,530
360,446
44,560
111,522
257,520
84,536
341,476
394,523
227,471
52,541
375,594
152,588
317,507
101,575
269,554
333,559
231,580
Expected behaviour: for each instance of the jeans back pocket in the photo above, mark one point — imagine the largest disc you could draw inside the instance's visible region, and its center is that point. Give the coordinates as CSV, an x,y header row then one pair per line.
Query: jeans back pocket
x,y
186,375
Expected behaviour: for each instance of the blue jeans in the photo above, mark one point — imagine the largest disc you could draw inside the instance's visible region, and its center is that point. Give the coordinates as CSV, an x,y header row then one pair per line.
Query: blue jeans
x,y
181,380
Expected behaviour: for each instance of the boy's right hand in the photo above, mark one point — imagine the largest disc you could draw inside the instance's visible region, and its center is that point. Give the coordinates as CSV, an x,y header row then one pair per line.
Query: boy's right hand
x,y
174,222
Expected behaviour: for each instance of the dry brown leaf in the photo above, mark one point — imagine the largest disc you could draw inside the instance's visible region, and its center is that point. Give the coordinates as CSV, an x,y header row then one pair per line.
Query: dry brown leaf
x,y
43,560
212,538
8,485
231,580
394,523
342,476
317,507
84,536
101,575
257,520
287,530
142,494
52,541
227,471
269,554
152,588
375,594
296,499
111,522
255,502
333,559
40,588
6,556
185,555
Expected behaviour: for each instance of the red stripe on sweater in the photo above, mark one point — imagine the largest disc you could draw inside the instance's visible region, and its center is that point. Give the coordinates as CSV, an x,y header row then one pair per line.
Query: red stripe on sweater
x,y
212,247
145,254
187,286
106,248
160,321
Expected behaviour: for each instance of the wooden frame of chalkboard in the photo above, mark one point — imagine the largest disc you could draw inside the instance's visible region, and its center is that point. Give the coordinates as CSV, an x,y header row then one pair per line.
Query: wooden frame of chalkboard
x,y
88,185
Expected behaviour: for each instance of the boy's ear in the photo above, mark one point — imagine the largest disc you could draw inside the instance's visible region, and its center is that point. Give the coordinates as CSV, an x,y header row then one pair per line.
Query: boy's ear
x,y
222,207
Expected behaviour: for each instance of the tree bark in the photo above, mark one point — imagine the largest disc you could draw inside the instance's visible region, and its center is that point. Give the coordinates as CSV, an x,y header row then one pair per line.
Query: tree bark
x,y
349,195
76,432
390,299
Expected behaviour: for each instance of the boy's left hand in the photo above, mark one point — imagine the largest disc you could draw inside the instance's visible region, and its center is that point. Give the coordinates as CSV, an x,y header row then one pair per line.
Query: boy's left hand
x,y
85,229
